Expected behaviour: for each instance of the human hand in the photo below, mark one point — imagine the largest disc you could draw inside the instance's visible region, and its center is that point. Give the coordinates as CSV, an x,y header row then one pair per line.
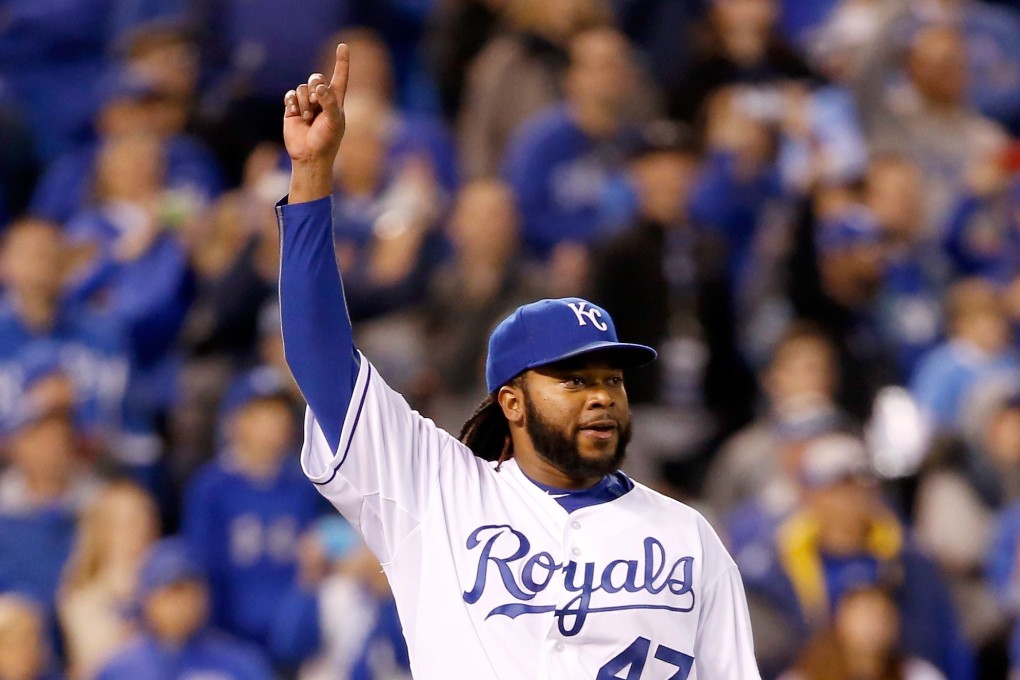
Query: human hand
x,y
313,125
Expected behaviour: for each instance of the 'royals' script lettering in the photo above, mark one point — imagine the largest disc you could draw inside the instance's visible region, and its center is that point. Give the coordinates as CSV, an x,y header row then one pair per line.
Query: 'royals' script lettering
x,y
507,552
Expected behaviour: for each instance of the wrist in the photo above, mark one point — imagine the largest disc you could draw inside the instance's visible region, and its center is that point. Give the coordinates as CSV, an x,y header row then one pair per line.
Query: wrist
x,y
310,181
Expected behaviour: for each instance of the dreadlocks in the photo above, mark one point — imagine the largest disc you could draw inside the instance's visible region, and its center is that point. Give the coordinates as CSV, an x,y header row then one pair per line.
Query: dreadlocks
x,y
487,432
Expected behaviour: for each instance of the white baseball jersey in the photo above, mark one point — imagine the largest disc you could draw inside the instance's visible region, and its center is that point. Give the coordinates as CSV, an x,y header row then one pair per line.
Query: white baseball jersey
x,y
494,579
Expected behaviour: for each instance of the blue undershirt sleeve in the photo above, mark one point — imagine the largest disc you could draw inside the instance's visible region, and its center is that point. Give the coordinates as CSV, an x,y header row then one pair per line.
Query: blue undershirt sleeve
x,y
317,336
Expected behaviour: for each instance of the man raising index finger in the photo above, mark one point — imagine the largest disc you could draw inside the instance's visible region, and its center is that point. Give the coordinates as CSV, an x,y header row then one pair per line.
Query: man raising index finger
x,y
518,550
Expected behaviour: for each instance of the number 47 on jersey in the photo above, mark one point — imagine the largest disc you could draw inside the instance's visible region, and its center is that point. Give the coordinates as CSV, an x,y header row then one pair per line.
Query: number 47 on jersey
x,y
633,659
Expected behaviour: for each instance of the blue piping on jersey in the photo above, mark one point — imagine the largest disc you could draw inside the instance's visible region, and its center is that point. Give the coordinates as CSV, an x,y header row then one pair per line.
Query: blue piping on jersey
x,y
354,426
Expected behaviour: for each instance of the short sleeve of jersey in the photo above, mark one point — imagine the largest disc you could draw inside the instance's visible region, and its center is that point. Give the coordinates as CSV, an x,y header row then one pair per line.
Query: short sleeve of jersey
x,y
725,645
386,468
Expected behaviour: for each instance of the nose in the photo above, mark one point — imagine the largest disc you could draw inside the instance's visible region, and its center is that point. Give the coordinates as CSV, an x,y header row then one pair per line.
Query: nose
x,y
600,396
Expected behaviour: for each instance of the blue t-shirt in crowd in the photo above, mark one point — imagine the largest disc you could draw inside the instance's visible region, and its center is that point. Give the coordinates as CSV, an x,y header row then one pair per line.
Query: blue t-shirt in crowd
x,y
208,655
566,182
245,531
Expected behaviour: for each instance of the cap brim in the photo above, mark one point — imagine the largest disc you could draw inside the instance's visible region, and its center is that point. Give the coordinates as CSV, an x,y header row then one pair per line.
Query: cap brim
x,y
620,354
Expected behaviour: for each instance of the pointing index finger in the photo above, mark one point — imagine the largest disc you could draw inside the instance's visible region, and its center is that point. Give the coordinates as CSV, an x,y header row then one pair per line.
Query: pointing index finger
x,y
338,83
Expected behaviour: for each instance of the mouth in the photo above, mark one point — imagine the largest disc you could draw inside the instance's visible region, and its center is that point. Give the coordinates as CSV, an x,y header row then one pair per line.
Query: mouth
x,y
600,429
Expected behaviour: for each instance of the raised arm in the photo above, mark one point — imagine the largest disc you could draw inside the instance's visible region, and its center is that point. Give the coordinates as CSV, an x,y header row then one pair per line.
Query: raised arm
x,y
317,336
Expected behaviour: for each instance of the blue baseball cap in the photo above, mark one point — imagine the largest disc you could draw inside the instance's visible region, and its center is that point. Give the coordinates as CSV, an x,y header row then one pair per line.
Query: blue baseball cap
x,y
548,331
168,562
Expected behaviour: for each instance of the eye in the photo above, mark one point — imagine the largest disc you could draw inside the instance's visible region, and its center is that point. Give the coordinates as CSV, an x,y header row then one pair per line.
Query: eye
x,y
615,381
574,381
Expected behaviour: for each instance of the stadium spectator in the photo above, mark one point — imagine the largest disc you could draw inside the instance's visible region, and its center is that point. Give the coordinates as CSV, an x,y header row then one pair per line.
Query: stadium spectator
x,y
245,510
172,605
42,333
964,482
98,586
928,120
133,103
982,234
517,75
979,344
44,488
915,272
340,612
384,218
132,270
565,163
862,643
844,536
25,652
758,463
740,45
468,294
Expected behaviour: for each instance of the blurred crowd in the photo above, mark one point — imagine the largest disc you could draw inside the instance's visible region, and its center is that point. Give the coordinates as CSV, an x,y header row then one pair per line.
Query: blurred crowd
x,y
811,208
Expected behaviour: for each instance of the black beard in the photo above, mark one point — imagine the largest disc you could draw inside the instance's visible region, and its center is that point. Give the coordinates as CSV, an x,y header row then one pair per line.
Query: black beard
x,y
562,452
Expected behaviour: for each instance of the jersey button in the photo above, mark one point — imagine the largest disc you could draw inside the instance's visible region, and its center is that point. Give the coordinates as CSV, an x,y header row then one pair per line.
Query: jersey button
x,y
560,646
575,524
576,551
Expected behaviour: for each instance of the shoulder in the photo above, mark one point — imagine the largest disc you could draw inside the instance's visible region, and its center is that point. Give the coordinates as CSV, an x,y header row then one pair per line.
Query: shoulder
x,y
212,476
681,517
132,662
227,651
551,122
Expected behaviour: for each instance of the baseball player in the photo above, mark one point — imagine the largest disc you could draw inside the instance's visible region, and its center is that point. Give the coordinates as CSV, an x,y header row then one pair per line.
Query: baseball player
x,y
517,550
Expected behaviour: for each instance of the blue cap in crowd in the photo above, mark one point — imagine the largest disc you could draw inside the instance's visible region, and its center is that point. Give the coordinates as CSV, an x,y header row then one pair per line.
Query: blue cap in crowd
x,y
167,562
264,382
548,331
852,228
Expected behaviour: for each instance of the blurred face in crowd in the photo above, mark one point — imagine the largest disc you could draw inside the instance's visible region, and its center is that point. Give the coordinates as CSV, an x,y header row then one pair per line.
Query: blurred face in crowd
x,y
262,431
128,522
130,168
556,20
664,180
894,196
372,72
744,26
33,259
844,511
177,611
484,224
977,316
867,624
803,371
1003,439
359,169
168,60
44,451
601,68
938,66
21,640
852,275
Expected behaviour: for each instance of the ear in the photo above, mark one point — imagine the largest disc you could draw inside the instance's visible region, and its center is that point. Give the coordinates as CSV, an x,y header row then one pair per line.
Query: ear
x,y
511,400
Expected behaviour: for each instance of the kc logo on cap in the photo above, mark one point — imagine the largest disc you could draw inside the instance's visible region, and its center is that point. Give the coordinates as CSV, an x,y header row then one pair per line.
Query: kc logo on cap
x,y
592,315
544,332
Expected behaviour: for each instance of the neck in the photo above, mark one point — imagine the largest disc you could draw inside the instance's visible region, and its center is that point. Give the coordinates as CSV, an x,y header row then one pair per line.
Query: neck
x,y
257,464
596,121
865,666
842,540
45,489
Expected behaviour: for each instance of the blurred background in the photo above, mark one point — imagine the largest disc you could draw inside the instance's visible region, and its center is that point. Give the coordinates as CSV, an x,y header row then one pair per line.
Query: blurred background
x,y
811,208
